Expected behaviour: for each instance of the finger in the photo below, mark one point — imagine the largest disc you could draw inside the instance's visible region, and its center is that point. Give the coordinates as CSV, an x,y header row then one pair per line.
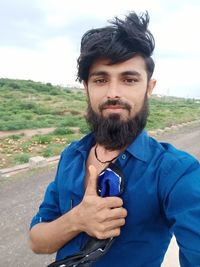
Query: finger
x,y
116,213
113,202
109,234
110,225
114,232
91,188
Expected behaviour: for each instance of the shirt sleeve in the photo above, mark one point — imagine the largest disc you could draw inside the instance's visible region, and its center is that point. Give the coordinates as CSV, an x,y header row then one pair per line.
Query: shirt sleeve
x,y
182,209
49,209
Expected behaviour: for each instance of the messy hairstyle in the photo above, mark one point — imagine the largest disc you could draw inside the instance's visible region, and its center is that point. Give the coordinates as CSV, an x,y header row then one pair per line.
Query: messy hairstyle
x,y
120,41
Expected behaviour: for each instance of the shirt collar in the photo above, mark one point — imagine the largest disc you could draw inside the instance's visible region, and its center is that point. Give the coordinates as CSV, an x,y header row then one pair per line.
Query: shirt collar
x,y
139,148
84,145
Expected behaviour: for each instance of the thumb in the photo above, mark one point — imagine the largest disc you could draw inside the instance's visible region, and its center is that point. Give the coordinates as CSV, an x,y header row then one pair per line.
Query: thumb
x,y
91,188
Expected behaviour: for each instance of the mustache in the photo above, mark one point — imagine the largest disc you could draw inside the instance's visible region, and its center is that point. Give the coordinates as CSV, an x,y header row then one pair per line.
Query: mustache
x,y
114,102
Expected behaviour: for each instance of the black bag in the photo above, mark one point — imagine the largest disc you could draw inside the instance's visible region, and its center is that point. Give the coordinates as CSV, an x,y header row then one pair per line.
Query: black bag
x,y
91,252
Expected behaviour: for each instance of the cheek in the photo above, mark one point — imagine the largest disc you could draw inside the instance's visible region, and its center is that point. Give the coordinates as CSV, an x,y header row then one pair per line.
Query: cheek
x,y
94,102
96,98
137,102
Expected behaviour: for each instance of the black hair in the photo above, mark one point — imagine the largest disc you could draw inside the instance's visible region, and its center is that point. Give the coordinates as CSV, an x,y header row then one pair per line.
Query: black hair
x,y
120,41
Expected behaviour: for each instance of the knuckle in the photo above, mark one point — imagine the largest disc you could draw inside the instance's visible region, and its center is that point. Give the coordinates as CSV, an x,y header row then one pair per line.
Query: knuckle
x,y
101,217
102,228
102,203
100,235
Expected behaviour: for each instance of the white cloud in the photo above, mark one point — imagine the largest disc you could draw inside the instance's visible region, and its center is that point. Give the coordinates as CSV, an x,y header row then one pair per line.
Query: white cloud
x,y
178,78
178,31
54,63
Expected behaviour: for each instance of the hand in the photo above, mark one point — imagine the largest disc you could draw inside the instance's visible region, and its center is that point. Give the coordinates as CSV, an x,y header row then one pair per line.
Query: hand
x,y
100,217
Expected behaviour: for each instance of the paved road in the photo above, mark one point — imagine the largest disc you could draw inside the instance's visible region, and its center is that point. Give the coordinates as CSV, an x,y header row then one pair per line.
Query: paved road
x,y
19,199
188,139
21,194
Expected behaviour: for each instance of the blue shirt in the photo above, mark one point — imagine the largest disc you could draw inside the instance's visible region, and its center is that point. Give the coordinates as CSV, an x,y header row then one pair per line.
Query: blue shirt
x,y
161,195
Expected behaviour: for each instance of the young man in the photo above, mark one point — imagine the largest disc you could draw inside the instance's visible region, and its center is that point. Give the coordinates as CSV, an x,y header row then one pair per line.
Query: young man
x,y
162,184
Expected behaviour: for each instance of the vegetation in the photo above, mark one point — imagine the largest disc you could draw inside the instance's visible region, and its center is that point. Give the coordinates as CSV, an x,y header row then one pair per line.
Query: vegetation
x,y
31,105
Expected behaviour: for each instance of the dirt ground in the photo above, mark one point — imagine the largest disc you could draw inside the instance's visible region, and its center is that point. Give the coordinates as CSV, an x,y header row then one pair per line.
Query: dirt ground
x,y
27,132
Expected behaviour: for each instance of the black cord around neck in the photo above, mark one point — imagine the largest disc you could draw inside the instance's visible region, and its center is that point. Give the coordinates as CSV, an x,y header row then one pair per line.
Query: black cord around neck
x,y
103,162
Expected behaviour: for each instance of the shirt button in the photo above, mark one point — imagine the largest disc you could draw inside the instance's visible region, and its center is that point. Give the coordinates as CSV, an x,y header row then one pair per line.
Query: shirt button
x,y
123,156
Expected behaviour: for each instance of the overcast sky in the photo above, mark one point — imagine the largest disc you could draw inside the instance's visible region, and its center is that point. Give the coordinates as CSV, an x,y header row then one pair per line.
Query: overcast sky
x,y
39,39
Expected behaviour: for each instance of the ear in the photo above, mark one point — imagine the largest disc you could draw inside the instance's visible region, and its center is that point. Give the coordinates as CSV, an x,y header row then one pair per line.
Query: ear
x,y
150,87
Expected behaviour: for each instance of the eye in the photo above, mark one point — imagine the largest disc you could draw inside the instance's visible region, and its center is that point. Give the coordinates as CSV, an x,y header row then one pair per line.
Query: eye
x,y
130,80
100,81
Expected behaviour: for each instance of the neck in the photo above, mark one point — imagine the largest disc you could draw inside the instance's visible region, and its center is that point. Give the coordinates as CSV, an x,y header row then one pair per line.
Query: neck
x,y
105,151
105,156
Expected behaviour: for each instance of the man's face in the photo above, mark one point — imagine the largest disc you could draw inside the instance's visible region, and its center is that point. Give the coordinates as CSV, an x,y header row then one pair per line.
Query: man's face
x,y
119,88
118,101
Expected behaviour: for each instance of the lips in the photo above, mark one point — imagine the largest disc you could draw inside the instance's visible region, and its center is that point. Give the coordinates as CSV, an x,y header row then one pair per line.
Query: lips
x,y
114,107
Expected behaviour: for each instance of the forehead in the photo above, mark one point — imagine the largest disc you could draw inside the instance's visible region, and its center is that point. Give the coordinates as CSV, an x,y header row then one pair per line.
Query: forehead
x,y
137,63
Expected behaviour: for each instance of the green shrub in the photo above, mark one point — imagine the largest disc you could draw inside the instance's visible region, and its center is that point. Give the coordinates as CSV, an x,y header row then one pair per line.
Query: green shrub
x,y
48,98
70,121
54,92
16,137
68,91
26,145
49,84
62,131
21,158
42,139
47,152
17,125
84,128
14,85
28,105
52,150
27,116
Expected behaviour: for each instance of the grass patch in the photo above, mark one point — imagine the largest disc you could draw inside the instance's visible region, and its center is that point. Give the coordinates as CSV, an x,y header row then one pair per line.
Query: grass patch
x,y
42,139
21,158
16,136
52,150
29,105
62,131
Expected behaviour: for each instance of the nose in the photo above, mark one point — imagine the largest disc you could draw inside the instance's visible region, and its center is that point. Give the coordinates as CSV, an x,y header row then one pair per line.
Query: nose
x,y
113,90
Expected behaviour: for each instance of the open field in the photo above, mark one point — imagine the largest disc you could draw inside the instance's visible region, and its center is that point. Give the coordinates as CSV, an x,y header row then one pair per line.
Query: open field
x,y
31,105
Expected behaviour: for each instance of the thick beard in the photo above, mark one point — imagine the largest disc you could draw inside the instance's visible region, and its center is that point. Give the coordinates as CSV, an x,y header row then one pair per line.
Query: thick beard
x,y
114,133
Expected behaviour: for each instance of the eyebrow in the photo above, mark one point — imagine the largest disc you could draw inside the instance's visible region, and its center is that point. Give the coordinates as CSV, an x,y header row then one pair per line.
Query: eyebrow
x,y
124,73
98,73
131,73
